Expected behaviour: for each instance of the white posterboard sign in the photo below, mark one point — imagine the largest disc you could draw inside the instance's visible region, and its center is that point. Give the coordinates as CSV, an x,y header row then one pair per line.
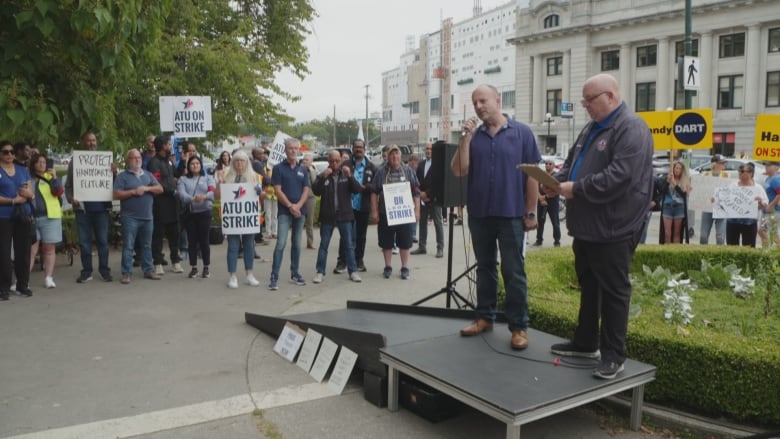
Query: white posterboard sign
x,y
700,197
399,203
309,350
185,116
93,179
289,341
736,202
240,209
324,359
342,370
277,154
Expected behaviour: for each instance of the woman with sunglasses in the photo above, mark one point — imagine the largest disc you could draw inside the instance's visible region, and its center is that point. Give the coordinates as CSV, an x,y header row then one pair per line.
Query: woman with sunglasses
x,y
15,190
48,214
746,229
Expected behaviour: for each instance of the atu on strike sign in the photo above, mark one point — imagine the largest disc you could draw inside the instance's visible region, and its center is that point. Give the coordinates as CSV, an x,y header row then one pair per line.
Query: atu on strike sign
x,y
185,116
240,209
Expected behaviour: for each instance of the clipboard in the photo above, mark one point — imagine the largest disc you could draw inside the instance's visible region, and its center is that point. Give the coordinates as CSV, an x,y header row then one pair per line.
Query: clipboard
x,y
539,174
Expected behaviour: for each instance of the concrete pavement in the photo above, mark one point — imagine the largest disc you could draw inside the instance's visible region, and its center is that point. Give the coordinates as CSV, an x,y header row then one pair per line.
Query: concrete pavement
x,y
173,358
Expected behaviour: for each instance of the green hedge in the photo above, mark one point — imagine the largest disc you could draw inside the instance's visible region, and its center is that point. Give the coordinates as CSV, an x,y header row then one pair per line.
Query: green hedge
x,y
699,369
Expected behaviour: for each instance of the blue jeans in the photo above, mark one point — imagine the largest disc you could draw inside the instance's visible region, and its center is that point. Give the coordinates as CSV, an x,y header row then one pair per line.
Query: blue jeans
x,y
87,222
284,224
490,235
234,243
137,231
326,232
706,226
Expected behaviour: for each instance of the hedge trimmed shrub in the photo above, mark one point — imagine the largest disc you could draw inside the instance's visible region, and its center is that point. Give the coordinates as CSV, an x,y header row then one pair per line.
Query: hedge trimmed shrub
x,y
700,369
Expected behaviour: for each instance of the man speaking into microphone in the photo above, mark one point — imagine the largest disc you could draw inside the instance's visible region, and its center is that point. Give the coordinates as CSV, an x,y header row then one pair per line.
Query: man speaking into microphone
x,y
501,205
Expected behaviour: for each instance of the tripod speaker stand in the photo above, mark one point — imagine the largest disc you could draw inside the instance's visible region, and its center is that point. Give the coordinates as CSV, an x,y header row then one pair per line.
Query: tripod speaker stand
x,y
449,287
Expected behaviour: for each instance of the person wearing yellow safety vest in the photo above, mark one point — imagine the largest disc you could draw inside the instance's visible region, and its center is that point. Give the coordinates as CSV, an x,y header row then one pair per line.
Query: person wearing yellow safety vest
x,y
48,214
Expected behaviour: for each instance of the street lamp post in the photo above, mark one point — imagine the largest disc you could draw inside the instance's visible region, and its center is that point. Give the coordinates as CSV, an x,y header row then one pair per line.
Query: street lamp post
x,y
548,120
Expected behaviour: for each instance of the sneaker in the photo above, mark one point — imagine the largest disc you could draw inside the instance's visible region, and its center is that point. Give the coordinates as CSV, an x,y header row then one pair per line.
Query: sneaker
x,y
354,277
193,272
83,278
607,370
387,272
557,244
273,285
538,243
569,349
404,273
297,279
395,250
361,267
177,268
24,292
318,278
152,276
233,282
439,253
418,251
107,277
4,295
251,281
50,282
206,273
340,268
158,270
125,279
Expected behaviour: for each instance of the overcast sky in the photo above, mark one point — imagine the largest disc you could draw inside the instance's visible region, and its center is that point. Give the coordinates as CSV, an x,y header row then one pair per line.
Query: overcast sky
x,y
353,42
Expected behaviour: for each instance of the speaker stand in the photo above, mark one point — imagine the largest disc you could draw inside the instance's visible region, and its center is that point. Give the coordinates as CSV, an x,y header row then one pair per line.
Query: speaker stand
x,y
449,287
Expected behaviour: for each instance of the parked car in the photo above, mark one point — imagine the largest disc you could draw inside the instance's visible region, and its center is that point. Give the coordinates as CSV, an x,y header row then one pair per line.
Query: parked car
x,y
557,160
732,167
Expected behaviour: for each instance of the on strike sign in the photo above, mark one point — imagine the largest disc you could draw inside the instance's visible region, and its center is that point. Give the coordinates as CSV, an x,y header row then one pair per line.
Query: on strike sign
x,y
240,209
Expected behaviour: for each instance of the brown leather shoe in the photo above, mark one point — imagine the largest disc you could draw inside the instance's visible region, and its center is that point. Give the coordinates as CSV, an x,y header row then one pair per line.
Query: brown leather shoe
x,y
476,327
519,339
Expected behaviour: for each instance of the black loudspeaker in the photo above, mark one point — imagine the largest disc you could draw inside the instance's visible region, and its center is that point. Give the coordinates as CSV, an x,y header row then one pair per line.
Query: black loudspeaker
x,y
446,189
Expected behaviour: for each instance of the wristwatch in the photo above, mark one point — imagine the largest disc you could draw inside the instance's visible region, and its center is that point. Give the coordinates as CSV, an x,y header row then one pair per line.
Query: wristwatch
x,y
530,215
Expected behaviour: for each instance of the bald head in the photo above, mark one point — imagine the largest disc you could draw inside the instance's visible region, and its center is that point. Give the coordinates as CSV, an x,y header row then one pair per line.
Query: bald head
x,y
601,96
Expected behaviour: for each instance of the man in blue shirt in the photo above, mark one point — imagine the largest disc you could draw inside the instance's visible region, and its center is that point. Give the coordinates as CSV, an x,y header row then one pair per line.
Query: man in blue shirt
x,y
501,205
768,227
292,186
135,188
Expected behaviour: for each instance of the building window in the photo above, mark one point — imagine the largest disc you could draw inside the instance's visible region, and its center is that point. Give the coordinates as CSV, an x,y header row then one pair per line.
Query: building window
x,y
646,55
508,99
773,89
645,96
730,91
551,21
555,66
732,45
774,40
435,106
610,60
554,102
679,49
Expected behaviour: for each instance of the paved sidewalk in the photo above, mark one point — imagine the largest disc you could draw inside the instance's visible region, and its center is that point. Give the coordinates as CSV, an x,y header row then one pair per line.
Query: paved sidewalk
x,y
173,358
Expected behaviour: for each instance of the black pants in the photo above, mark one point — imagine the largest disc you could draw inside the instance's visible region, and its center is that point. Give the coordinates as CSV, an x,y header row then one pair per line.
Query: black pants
x,y
19,232
198,236
359,234
171,232
553,210
602,270
744,232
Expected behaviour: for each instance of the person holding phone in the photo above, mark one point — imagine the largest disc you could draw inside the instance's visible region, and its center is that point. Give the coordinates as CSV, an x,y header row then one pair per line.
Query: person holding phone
x,y
15,224
47,211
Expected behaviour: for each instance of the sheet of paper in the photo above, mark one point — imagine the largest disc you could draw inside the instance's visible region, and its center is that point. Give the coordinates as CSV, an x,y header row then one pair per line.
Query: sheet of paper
x,y
324,359
534,171
289,341
309,350
343,369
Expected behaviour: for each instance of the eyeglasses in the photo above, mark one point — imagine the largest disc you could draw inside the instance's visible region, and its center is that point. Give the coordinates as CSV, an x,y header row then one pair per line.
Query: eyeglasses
x,y
745,171
6,151
586,101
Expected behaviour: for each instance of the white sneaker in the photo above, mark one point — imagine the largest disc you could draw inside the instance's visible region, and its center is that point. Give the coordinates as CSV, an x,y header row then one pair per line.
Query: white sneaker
x,y
50,282
250,280
354,277
395,250
158,270
318,278
233,282
177,268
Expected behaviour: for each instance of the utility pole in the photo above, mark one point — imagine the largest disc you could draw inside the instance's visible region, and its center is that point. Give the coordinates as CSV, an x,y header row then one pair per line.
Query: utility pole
x,y
334,126
688,46
368,136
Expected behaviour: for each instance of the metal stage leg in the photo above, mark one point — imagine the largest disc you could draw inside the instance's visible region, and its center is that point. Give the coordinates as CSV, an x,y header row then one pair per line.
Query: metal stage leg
x,y
637,398
449,289
392,389
512,431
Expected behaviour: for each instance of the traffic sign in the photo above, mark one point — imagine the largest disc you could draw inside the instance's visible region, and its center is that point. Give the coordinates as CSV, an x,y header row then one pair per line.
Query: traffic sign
x,y
691,67
567,110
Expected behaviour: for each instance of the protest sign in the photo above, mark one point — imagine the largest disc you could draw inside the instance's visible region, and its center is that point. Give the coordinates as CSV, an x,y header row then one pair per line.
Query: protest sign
x,y
399,204
93,179
736,202
700,198
277,154
240,209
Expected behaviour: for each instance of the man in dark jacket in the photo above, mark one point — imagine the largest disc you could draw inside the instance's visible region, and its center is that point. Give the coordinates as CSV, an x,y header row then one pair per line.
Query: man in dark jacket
x,y
335,186
166,206
363,171
607,180
427,207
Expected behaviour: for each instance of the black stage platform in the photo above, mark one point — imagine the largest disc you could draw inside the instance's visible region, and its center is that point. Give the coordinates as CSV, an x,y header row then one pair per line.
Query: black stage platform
x,y
515,387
